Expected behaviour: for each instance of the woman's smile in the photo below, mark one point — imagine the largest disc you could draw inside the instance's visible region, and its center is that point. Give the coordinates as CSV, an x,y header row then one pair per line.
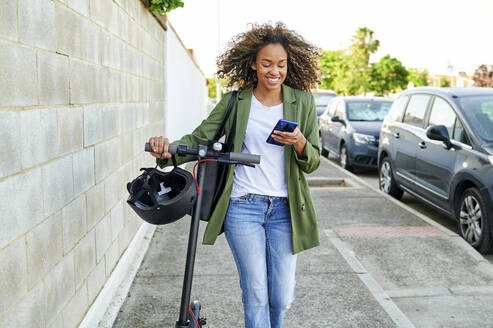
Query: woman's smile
x,y
274,80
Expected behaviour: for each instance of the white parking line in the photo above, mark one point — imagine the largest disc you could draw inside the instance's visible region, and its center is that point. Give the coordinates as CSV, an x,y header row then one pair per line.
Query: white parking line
x,y
484,290
375,289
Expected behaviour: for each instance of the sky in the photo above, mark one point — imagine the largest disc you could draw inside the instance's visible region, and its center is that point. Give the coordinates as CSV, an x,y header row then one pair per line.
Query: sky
x,y
441,36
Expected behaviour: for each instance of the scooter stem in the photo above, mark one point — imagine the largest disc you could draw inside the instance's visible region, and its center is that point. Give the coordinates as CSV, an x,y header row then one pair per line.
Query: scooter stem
x,y
192,248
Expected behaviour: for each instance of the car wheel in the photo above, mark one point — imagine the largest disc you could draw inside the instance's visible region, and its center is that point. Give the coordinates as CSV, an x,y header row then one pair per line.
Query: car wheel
x,y
473,220
344,159
386,181
324,152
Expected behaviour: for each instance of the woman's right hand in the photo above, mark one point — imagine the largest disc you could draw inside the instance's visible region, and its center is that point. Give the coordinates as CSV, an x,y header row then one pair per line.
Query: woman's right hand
x,y
159,146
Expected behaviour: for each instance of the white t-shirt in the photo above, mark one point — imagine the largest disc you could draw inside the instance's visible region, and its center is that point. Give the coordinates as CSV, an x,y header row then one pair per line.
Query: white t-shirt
x,y
268,177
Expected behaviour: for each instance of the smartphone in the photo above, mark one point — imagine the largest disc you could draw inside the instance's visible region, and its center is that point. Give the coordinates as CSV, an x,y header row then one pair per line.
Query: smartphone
x,y
282,125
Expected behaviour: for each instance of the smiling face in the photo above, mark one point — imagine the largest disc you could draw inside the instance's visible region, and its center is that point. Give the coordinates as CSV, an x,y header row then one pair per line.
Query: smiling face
x,y
271,66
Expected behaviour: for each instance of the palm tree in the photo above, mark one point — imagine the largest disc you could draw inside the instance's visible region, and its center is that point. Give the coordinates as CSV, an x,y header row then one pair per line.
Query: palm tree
x,y
364,43
360,50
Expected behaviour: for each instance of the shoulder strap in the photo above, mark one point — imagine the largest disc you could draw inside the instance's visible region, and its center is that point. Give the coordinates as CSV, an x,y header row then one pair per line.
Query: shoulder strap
x,y
228,111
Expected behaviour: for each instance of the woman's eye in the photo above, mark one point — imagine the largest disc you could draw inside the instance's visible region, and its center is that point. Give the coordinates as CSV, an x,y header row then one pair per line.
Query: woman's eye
x,y
281,66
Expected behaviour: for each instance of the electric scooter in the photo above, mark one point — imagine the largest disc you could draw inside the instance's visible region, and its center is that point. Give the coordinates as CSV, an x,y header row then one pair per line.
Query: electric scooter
x,y
189,316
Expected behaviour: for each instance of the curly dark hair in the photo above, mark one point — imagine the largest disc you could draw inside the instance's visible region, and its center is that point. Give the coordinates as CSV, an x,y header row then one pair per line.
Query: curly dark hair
x,y
303,58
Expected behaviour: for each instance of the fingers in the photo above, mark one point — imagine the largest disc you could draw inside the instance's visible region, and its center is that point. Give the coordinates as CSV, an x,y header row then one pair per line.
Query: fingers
x,y
159,146
288,138
161,155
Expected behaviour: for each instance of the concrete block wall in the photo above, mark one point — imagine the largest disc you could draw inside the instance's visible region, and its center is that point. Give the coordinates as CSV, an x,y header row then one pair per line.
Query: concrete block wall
x,y
82,87
187,94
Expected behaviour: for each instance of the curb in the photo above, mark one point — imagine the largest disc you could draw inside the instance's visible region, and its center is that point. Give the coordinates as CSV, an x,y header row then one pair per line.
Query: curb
x,y
104,310
456,238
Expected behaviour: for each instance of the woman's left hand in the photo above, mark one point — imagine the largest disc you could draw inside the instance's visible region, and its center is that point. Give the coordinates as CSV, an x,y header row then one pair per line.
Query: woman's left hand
x,y
295,138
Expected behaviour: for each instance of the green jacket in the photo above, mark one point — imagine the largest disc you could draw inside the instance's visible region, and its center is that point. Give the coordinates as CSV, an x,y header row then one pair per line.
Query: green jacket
x,y
298,106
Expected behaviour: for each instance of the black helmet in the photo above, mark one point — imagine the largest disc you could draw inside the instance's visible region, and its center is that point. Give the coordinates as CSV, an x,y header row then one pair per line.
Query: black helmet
x,y
162,197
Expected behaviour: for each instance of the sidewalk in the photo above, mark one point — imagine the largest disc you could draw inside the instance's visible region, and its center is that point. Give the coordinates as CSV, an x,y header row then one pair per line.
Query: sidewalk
x,y
379,265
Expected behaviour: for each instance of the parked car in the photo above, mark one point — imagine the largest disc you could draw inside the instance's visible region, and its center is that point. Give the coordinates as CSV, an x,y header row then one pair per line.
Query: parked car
x,y
322,98
437,144
350,128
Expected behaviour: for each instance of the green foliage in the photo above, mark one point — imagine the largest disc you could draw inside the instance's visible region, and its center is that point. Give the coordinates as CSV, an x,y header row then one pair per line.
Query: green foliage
x,y
358,79
444,83
333,66
364,44
418,77
388,75
211,87
162,7
349,71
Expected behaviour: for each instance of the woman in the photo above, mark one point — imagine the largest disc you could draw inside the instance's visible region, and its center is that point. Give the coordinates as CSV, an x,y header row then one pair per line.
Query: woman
x,y
267,211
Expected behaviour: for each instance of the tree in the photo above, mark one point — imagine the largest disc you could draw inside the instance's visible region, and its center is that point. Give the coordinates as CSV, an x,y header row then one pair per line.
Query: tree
x,y
162,7
211,87
364,44
444,83
388,75
333,65
418,77
483,77
349,72
359,76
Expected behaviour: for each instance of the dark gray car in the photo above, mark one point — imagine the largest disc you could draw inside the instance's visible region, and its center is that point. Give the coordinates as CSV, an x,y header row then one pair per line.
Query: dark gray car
x,y
437,144
350,128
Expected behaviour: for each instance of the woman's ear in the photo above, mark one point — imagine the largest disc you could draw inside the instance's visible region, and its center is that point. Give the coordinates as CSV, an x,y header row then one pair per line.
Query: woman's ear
x,y
254,66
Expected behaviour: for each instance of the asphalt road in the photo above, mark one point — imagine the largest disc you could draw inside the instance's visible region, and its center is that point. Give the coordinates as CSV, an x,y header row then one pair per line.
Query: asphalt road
x,y
371,177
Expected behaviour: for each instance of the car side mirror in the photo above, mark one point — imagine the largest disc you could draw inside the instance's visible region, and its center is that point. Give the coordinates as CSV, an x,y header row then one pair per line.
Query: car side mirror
x,y
440,133
337,119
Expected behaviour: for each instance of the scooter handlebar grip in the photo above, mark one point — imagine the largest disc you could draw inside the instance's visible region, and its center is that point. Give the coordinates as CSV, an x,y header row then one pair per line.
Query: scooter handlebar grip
x,y
245,158
171,148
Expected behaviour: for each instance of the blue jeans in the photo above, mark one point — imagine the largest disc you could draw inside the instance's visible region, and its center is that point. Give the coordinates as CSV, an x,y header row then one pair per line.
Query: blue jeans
x,y
258,230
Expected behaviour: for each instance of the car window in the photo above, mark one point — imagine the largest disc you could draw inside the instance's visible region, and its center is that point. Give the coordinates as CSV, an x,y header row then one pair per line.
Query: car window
x,y
395,112
332,107
459,133
442,114
367,110
339,110
478,112
322,99
416,109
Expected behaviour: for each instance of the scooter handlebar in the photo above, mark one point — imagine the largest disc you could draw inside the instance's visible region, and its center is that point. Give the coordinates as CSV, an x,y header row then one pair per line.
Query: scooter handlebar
x,y
171,148
245,158
232,156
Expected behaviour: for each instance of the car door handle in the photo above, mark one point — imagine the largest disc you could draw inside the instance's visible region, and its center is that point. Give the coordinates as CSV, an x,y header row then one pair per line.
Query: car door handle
x,y
396,135
422,145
